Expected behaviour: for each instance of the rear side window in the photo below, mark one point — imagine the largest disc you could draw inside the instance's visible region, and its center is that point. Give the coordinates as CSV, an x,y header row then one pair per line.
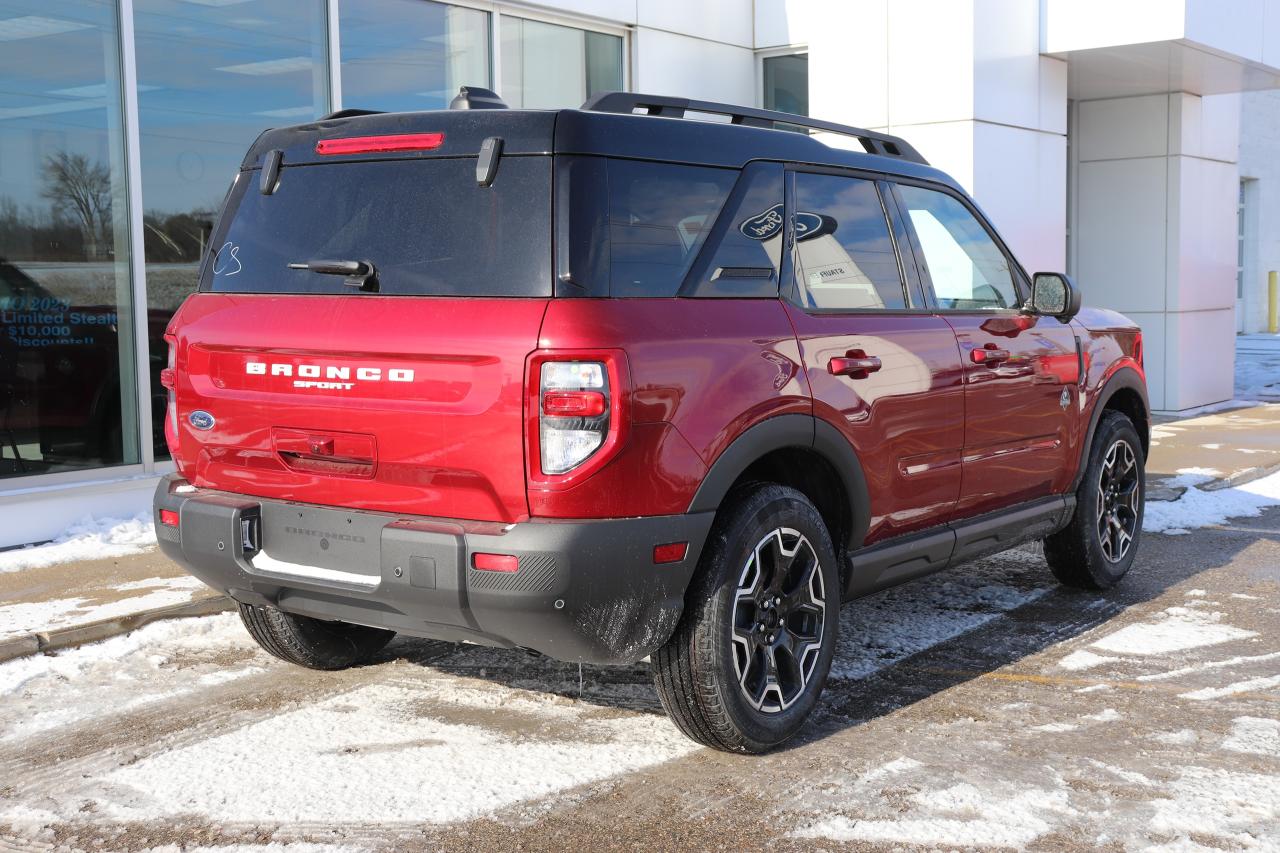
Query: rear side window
x,y
634,228
659,217
743,257
425,225
845,258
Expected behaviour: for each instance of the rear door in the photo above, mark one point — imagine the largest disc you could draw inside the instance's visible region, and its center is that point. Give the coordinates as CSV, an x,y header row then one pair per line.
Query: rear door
x,y
298,385
1020,371
882,368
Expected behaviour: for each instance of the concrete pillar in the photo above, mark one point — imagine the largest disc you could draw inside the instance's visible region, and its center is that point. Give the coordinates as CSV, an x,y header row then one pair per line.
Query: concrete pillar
x,y
965,83
1154,232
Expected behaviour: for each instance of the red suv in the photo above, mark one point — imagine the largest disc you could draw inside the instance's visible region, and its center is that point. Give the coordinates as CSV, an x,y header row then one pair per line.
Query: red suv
x,y
612,383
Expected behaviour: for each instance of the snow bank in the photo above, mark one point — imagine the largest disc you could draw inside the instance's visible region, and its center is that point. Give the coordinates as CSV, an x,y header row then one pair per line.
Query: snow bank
x,y
29,617
88,539
1199,508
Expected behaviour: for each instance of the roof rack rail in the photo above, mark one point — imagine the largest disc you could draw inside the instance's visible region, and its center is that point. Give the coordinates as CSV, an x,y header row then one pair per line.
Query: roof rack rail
x,y
873,142
351,112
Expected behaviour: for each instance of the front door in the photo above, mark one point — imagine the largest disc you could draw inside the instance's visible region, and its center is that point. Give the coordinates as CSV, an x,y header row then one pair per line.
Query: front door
x,y
1020,372
882,368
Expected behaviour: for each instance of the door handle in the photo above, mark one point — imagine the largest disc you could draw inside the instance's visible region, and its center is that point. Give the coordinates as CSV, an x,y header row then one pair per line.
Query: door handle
x,y
855,364
990,355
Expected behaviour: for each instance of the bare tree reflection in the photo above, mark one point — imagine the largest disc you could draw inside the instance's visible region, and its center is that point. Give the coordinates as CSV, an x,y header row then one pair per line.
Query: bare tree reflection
x,y
76,184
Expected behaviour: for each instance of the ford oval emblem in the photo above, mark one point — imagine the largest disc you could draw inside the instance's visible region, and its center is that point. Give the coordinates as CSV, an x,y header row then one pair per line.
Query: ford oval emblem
x,y
201,419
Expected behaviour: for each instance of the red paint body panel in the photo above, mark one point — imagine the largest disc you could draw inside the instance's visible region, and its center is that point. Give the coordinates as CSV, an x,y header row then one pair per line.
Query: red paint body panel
x,y
449,441
1019,442
905,420
710,368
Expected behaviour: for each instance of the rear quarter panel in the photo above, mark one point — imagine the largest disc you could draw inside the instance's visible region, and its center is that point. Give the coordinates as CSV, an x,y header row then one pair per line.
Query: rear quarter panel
x,y
701,372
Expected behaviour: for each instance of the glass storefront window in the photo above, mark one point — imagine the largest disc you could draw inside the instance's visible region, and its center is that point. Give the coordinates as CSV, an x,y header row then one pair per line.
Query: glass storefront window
x,y
548,66
67,383
786,83
211,77
408,55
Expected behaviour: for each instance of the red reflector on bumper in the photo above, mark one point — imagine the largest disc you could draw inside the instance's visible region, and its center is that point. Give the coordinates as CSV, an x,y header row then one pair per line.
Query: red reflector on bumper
x,y
370,144
494,562
672,552
167,378
168,518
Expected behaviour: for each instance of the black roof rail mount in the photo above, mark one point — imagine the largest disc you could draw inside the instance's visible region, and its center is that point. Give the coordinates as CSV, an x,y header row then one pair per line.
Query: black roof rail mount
x,y
631,103
351,112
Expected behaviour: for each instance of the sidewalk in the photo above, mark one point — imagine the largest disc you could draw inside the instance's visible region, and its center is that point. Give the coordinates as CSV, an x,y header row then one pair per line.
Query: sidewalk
x,y
58,606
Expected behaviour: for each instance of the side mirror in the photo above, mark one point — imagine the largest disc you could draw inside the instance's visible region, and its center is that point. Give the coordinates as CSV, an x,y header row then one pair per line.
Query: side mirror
x,y
1054,294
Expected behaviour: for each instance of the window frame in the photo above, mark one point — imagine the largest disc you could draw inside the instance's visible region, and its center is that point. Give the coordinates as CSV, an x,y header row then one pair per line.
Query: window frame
x,y
789,289
1021,281
769,53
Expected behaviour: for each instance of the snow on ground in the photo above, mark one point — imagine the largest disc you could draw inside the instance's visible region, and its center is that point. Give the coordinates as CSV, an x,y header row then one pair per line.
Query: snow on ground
x,y
445,771
1197,507
1258,366
21,618
887,627
158,661
1257,735
88,539
1175,629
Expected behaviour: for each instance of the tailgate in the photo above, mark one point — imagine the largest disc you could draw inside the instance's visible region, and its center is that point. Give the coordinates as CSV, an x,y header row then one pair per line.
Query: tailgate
x,y
385,403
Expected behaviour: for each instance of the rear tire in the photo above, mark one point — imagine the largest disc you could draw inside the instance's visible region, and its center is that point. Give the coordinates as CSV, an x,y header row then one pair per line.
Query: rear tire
x,y
1096,549
313,643
751,654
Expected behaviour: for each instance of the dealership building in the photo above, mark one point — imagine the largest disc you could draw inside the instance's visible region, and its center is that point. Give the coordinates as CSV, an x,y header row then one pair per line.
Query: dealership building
x,y
1131,143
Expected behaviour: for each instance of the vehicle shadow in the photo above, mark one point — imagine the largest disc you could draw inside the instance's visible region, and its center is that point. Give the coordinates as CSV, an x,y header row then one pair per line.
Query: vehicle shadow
x,y
903,645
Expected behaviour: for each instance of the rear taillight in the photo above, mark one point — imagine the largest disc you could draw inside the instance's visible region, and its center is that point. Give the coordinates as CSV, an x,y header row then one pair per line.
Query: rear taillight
x,y
168,378
573,413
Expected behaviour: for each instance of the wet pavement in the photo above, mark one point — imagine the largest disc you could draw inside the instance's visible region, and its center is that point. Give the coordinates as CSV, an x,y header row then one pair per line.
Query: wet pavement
x,y
984,707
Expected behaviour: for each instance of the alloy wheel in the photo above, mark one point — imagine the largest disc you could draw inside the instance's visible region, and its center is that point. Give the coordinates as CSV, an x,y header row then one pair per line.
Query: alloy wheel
x,y
1118,496
779,614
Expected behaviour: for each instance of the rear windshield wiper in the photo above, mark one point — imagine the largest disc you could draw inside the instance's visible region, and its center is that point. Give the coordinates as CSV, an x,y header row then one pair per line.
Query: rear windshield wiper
x,y
361,274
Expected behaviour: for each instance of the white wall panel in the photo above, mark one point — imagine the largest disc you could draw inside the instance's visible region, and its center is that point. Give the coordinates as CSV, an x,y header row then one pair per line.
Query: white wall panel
x,y
1203,199
849,65
669,64
1121,234
727,21
1199,358
1020,182
782,22
1123,127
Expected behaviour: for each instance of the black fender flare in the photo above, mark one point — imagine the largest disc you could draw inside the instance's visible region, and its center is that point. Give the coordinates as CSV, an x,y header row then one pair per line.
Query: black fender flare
x,y
781,432
1126,378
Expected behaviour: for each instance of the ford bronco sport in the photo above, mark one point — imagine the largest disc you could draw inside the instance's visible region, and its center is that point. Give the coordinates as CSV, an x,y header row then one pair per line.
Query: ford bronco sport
x,y
612,382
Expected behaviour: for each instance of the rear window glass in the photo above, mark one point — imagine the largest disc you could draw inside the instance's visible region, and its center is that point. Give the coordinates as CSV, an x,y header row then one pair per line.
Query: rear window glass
x,y
425,225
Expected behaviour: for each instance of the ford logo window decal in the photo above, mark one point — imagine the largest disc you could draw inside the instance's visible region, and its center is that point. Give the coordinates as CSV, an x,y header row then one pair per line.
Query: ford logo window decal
x,y
768,224
201,419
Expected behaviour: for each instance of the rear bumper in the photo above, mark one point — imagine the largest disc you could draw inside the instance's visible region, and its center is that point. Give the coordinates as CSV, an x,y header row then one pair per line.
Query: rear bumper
x,y
584,591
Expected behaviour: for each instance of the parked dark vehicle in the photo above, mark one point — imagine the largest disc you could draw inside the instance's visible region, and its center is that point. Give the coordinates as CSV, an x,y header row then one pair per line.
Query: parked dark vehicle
x,y
609,385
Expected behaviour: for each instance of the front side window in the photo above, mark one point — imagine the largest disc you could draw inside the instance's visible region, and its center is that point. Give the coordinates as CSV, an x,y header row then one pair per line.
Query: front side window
x,y
845,258
967,268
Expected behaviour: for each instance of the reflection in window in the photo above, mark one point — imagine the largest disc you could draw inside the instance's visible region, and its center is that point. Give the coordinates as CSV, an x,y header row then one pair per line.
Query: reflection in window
x,y
67,391
210,79
659,216
844,254
547,66
786,83
747,257
966,266
409,55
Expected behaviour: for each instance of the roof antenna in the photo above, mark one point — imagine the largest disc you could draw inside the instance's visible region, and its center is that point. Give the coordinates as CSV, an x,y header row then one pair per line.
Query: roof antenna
x,y
476,98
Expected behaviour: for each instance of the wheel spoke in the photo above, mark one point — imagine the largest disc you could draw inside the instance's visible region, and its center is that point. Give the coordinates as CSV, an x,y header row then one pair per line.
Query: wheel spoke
x,y
778,620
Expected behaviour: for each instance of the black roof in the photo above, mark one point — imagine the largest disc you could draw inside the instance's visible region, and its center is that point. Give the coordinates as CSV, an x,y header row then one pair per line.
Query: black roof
x,y
591,132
